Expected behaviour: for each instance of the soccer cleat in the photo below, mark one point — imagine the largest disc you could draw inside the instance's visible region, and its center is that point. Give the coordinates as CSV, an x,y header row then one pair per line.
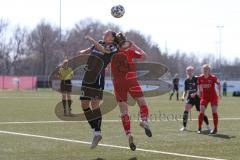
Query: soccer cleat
x,y
145,126
183,129
199,131
70,113
214,131
96,140
131,143
64,112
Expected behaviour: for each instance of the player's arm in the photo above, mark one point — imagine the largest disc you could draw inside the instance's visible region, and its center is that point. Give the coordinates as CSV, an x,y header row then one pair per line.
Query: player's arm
x,y
199,90
184,95
219,87
139,53
97,45
185,92
85,51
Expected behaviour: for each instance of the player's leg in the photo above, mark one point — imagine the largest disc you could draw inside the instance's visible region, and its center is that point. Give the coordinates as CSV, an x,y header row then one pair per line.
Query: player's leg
x,y
125,117
91,118
203,105
64,102
205,118
68,94
144,114
97,122
69,100
170,98
95,103
120,91
177,94
135,91
85,103
188,107
215,118
126,123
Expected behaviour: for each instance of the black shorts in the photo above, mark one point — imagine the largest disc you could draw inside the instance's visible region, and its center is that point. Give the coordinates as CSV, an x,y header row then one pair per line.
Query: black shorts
x,y
93,90
66,86
175,88
194,102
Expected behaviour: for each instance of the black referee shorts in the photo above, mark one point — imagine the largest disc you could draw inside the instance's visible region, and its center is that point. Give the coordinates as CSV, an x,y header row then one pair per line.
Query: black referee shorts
x,y
66,86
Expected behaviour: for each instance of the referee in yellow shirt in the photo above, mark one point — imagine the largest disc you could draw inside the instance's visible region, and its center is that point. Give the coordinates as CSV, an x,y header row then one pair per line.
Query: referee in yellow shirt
x,y
65,74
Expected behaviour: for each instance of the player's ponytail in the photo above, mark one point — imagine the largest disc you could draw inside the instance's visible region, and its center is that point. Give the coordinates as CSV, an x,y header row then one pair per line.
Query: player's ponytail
x,y
121,38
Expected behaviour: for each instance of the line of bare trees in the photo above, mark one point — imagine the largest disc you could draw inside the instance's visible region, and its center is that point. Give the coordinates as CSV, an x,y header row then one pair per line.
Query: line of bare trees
x,y
40,50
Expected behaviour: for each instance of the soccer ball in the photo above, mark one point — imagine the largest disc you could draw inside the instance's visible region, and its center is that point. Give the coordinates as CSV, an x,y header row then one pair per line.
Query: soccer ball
x,y
117,11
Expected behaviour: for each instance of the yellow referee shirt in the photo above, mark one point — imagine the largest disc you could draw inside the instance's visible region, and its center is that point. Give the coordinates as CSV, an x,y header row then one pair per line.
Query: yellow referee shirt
x,y
65,74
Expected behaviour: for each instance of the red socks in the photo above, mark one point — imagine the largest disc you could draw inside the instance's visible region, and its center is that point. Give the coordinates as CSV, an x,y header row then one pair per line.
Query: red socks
x,y
126,123
200,120
144,112
215,120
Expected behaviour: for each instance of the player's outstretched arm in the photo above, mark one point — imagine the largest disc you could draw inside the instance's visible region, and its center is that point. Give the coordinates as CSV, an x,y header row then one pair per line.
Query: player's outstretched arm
x,y
85,51
139,51
97,45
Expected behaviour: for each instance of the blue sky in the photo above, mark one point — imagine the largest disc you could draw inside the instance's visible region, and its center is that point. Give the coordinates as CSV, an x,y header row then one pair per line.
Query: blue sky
x,y
185,25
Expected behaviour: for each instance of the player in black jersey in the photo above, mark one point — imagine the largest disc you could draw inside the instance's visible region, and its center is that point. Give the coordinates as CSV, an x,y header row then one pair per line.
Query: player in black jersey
x,y
191,96
100,55
175,83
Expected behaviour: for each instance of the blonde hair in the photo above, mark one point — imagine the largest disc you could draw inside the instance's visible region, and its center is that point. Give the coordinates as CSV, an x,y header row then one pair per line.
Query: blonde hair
x,y
207,66
189,68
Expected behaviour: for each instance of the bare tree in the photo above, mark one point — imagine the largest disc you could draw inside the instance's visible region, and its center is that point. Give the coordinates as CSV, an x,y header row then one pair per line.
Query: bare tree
x,y
44,43
19,49
4,48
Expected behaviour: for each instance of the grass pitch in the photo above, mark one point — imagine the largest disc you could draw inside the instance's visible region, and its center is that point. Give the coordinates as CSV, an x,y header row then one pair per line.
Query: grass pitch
x,y
44,138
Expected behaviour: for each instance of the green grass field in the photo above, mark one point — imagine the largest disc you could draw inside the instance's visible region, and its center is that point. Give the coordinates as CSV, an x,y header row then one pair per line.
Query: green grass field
x,y
44,138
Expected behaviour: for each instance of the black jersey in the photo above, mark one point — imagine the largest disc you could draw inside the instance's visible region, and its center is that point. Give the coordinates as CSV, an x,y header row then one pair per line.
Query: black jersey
x,y
175,82
98,61
106,58
190,85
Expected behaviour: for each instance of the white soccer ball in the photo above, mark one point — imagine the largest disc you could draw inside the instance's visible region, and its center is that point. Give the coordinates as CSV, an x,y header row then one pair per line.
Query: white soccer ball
x,y
117,11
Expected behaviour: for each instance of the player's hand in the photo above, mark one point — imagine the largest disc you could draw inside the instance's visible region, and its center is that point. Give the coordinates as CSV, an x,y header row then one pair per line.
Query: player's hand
x,y
220,97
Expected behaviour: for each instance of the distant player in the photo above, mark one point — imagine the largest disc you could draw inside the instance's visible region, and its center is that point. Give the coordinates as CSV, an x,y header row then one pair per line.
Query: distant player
x,y
175,83
94,80
224,88
206,84
192,99
65,74
125,82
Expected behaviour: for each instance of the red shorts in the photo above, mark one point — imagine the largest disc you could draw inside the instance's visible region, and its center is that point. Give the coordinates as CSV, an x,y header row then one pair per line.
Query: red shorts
x,y
123,87
212,101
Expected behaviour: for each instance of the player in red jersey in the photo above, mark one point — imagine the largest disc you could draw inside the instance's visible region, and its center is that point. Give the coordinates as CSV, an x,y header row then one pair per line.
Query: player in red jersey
x,y
208,94
125,81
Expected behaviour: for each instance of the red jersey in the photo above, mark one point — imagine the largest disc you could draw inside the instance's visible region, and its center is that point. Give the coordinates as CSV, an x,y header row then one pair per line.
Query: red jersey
x,y
207,86
122,64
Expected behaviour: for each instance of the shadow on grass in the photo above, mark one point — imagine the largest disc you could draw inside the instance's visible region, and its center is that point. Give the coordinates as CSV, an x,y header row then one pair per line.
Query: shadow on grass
x,y
133,158
99,159
218,135
224,136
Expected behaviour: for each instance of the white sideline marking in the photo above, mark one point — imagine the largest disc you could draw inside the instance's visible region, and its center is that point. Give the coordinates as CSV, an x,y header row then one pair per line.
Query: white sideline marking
x,y
110,121
108,145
